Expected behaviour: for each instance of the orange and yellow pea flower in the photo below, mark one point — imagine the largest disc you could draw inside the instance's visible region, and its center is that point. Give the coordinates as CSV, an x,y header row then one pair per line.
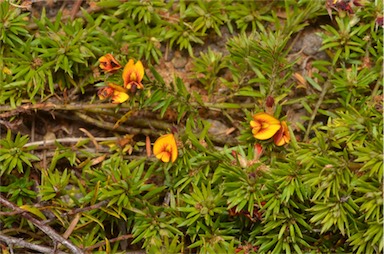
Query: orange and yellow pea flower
x,y
165,148
133,75
108,63
116,92
264,126
282,137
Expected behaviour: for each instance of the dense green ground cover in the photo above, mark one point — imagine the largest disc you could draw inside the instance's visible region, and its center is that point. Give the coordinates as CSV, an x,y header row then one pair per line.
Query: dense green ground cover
x,y
79,168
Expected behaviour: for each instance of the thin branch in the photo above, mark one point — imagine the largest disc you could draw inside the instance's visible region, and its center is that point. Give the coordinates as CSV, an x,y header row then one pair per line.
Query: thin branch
x,y
314,113
66,140
379,83
111,127
46,229
89,208
119,238
10,213
72,226
151,123
81,210
20,242
75,9
91,137
48,106
19,231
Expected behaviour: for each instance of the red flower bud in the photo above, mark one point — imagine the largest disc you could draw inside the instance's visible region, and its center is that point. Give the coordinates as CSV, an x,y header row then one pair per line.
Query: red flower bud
x,y
269,102
258,151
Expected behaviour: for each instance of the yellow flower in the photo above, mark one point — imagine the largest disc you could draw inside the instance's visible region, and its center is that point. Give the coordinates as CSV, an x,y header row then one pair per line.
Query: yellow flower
x,y
116,92
282,137
264,126
108,63
165,148
133,75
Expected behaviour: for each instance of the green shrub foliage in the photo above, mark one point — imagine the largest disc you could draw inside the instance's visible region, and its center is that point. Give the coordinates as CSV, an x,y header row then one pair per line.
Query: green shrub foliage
x,y
320,193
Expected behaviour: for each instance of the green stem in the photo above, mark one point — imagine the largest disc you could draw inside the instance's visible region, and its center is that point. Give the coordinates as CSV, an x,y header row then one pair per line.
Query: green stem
x,y
317,106
379,83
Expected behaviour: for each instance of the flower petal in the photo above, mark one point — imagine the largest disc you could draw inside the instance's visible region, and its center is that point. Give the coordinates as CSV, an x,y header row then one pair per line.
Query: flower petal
x,y
255,124
119,97
164,156
117,87
108,63
165,148
118,93
282,137
133,74
105,92
264,126
139,68
266,133
174,153
264,117
278,137
128,69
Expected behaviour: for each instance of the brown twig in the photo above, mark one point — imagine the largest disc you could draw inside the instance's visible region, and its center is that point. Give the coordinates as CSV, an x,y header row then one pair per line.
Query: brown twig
x,y
46,229
72,226
81,210
91,137
75,8
20,242
11,213
89,208
65,140
111,127
152,125
19,231
48,106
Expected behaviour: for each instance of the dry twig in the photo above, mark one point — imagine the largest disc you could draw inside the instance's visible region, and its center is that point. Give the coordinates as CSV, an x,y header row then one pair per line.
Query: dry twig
x,y
13,241
46,229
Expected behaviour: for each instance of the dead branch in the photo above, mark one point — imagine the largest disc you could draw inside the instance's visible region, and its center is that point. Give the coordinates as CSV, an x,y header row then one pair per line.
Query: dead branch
x,y
89,208
51,106
66,140
48,106
46,229
75,9
81,210
13,241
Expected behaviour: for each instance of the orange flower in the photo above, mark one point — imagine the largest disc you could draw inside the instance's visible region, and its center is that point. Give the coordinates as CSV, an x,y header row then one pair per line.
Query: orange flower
x,y
133,75
264,126
282,137
165,148
117,93
109,64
